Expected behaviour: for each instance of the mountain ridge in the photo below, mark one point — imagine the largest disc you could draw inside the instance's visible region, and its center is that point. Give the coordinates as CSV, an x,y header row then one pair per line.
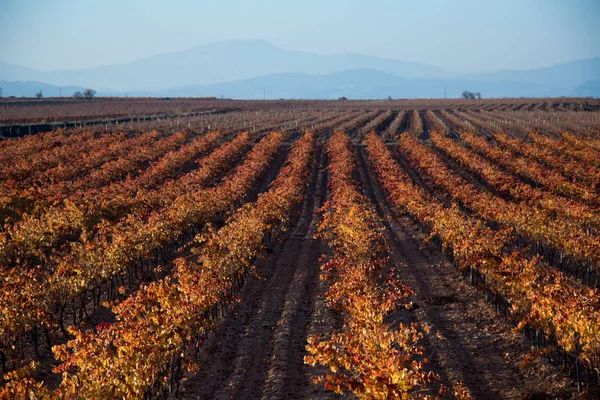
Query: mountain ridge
x,y
357,84
213,63
235,66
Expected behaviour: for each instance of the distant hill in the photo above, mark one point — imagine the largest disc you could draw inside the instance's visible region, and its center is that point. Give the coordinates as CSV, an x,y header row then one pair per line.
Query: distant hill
x,y
589,88
359,83
356,84
241,69
214,63
30,88
572,73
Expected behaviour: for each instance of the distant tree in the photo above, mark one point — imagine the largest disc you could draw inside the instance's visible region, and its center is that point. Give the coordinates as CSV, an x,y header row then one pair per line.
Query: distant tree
x,y
390,98
89,93
39,95
343,98
77,95
470,95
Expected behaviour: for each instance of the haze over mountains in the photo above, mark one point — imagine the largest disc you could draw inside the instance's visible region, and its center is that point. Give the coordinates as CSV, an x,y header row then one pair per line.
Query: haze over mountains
x,y
251,69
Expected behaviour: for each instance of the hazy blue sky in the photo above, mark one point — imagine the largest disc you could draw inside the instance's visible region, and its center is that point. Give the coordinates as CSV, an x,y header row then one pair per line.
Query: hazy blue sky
x,y
459,35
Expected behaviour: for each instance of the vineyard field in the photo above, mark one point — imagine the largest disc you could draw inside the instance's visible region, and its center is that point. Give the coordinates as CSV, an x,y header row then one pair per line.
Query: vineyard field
x,y
227,249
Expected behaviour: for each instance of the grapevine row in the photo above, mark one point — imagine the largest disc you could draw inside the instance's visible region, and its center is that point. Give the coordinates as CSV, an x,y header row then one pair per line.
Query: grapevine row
x,y
579,173
515,188
35,235
580,142
562,147
391,132
43,294
159,327
27,158
367,357
375,123
560,234
44,170
539,297
534,172
95,171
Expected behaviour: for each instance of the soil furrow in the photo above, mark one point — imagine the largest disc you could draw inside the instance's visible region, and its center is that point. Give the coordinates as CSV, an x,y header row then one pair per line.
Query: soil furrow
x,y
287,354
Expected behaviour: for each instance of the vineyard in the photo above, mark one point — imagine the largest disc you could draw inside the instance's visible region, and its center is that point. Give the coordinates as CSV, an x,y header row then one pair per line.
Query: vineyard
x,y
221,249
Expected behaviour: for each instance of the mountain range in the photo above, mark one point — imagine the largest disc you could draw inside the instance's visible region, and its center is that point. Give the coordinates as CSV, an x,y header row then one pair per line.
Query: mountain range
x,y
252,69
